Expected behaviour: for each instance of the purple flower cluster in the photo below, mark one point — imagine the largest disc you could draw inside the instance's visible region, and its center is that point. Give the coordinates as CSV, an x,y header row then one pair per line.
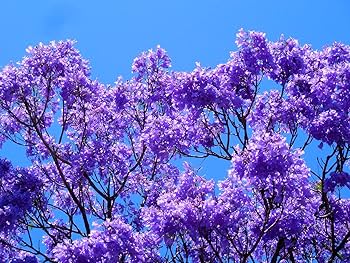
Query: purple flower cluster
x,y
19,189
113,241
337,180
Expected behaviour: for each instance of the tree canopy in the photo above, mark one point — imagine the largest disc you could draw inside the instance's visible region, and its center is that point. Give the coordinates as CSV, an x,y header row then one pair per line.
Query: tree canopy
x,y
104,182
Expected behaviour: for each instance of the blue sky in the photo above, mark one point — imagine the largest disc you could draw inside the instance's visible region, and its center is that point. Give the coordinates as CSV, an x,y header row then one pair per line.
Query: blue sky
x,y
111,33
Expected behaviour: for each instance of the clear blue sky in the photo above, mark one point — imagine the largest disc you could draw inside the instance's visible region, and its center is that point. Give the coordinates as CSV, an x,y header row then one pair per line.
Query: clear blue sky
x,y
111,33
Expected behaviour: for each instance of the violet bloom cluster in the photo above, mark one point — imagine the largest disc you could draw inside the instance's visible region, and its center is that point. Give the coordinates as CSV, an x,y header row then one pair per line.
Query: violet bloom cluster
x,y
20,190
104,182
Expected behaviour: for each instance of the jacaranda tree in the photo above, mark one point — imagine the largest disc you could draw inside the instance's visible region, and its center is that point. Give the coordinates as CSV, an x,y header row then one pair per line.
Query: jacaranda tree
x,y
105,182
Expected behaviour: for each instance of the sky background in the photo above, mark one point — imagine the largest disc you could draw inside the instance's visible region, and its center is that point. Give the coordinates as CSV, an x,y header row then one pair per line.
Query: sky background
x,y
111,34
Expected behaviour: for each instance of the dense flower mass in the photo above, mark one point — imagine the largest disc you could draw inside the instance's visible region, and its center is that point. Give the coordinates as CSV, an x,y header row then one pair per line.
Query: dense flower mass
x,y
19,189
107,181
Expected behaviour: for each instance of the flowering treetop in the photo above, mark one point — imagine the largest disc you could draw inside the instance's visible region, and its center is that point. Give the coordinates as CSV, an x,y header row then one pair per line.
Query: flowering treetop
x,y
103,184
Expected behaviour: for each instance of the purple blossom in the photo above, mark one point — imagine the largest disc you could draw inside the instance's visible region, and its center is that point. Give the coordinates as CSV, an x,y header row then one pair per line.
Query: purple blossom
x,y
337,180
